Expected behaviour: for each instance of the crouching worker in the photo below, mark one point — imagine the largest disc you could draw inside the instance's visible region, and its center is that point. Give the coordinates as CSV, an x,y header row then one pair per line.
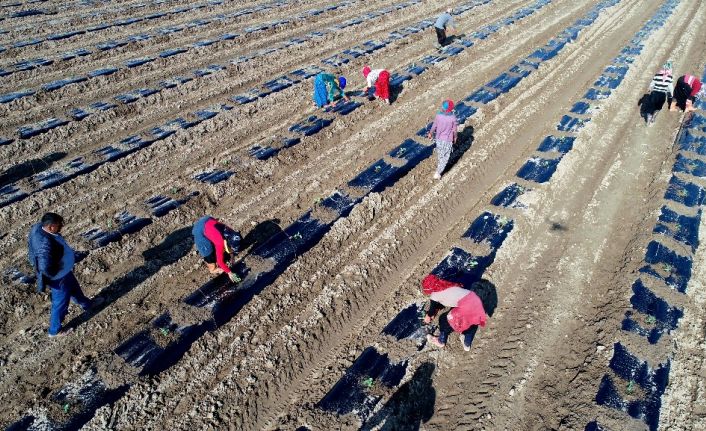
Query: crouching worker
x,y
216,243
688,86
53,260
661,89
468,308
380,78
328,89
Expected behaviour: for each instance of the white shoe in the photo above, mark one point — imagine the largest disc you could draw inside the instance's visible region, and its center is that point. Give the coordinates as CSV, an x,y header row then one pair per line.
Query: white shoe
x,y
437,176
463,341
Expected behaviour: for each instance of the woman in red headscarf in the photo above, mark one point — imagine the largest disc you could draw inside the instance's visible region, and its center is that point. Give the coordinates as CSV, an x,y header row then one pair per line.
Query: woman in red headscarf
x,y
380,78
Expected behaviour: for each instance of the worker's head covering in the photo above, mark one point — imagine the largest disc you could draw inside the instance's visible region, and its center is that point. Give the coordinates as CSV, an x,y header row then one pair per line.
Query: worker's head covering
x,y
666,68
366,70
447,106
342,82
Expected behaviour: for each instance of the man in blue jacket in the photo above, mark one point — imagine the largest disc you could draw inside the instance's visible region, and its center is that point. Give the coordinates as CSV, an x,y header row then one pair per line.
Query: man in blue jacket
x,y
53,261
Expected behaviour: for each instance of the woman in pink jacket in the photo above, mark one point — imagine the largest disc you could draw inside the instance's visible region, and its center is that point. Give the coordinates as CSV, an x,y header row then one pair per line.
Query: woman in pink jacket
x,y
445,128
470,308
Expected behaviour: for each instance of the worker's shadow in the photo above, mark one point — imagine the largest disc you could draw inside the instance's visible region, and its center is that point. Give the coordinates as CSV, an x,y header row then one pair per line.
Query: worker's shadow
x,y
259,235
643,103
464,140
175,246
453,38
29,168
410,406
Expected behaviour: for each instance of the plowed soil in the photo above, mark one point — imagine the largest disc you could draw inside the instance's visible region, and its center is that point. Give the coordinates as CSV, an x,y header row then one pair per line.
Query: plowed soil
x,y
563,275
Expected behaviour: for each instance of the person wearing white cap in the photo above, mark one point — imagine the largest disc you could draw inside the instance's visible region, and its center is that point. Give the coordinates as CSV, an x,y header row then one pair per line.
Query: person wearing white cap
x,y
444,20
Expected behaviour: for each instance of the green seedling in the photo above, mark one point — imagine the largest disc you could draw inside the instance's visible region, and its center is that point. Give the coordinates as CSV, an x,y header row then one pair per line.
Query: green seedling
x,y
225,162
502,221
682,193
650,320
236,279
378,168
472,264
297,236
402,151
318,200
630,387
66,407
164,331
110,224
667,268
368,382
174,190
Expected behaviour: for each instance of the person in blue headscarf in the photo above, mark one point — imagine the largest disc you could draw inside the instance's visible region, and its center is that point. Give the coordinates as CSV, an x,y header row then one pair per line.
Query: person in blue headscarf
x,y
328,89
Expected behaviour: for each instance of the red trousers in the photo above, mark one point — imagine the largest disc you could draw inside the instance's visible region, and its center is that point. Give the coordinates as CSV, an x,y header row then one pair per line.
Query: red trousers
x,y
382,85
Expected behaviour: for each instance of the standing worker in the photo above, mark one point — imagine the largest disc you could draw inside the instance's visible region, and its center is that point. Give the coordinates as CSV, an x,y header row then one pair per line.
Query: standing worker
x,y
53,260
445,125
688,86
380,78
661,89
442,21
328,89
216,243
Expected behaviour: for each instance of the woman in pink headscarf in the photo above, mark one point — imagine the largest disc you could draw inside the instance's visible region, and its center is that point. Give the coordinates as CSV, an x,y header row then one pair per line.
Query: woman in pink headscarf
x,y
380,78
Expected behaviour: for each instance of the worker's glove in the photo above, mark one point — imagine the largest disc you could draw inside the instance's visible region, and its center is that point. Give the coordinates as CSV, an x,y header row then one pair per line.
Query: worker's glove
x,y
234,277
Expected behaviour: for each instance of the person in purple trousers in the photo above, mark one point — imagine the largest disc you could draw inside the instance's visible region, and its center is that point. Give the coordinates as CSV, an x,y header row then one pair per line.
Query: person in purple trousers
x,y
444,129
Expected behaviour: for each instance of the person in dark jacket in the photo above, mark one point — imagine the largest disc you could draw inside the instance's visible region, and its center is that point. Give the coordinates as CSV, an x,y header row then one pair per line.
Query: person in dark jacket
x,y
216,243
685,92
53,260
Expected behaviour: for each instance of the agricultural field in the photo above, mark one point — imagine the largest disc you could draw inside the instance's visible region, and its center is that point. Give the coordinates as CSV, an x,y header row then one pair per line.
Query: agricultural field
x,y
134,118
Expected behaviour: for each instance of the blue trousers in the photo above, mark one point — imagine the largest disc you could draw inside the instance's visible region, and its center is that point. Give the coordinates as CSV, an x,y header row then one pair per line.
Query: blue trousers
x,y
445,329
63,291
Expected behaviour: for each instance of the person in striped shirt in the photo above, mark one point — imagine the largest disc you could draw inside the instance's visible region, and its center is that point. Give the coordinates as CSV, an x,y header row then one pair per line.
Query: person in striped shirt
x,y
661,90
688,86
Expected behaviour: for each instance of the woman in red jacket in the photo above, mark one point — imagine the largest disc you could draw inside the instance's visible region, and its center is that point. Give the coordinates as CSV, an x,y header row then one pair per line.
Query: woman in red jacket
x,y
216,242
